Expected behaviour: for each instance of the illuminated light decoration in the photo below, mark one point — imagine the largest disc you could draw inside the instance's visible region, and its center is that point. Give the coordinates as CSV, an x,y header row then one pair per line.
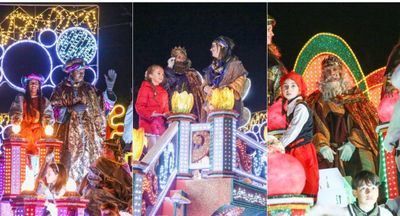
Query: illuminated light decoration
x,y
20,25
2,52
13,166
183,140
14,85
375,80
387,166
48,31
16,128
257,127
166,165
118,111
328,43
47,21
48,130
76,42
223,143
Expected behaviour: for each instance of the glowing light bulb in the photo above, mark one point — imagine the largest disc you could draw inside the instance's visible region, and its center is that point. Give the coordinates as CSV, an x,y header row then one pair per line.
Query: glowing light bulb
x,y
16,128
48,130
71,186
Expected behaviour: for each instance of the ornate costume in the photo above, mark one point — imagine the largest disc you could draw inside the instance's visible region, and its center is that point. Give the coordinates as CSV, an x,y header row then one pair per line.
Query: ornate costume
x,y
351,118
32,114
81,122
182,77
107,181
297,139
227,72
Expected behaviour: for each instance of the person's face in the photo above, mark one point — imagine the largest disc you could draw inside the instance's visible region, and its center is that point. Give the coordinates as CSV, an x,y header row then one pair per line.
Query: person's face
x,y
290,89
332,72
367,194
180,57
78,75
108,153
33,87
157,76
270,34
215,50
51,176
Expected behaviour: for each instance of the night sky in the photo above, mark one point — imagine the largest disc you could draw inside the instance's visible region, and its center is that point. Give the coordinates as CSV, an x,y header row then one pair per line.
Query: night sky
x,y
115,50
370,29
160,27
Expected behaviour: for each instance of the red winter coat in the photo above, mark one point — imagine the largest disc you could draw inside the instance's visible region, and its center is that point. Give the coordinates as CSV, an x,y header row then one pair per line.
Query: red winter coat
x,y
147,103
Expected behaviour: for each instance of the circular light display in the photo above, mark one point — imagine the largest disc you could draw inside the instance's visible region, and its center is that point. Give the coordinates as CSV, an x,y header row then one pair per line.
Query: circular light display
x,y
76,42
24,57
48,38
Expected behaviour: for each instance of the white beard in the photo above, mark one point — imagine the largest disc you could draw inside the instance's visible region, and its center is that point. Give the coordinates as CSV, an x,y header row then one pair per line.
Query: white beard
x,y
332,88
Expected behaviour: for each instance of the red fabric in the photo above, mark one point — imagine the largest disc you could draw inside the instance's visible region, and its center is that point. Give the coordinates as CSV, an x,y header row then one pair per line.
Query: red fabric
x,y
148,102
307,156
276,118
298,80
31,127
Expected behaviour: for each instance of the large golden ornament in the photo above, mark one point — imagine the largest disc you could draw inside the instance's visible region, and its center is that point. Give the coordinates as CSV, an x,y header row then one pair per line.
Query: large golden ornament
x,y
222,99
182,102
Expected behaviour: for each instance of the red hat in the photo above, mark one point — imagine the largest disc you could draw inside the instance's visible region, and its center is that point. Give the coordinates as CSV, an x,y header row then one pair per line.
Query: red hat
x,y
298,79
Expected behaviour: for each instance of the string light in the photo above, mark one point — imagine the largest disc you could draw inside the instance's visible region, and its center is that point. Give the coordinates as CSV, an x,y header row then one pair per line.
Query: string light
x,y
76,42
20,25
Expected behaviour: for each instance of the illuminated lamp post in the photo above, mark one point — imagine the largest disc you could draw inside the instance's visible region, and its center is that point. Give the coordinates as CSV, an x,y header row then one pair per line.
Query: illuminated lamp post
x,y
27,203
71,204
181,106
49,144
223,133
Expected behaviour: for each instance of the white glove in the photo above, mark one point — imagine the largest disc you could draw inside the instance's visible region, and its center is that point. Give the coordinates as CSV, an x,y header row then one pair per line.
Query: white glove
x,y
327,153
347,151
171,62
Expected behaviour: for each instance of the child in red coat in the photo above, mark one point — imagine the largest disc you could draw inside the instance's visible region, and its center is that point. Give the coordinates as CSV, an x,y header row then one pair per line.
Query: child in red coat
x,y
152,104
297,139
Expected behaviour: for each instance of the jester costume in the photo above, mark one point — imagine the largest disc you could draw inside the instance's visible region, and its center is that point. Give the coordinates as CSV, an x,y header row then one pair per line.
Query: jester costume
x,y
84,131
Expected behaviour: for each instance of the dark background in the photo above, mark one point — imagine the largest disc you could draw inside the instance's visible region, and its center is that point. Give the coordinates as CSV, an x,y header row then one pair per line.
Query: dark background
x,y
115,49
370,29
160,27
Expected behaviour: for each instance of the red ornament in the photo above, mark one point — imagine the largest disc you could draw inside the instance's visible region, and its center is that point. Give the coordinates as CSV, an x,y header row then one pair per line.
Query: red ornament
x,y
286,175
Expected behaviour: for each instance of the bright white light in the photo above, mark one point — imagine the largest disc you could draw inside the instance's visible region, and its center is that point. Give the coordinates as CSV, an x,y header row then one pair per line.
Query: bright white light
x,y
16,128
28,185
10,47
48,130
76,42
71,186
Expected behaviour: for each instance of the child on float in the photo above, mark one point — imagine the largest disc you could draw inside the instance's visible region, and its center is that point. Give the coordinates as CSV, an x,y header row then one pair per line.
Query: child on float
x,y
152,104
51,184
366,190
297,139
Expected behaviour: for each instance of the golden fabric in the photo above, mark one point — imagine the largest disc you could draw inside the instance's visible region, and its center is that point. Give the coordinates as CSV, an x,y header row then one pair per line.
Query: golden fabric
x,y
82,133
